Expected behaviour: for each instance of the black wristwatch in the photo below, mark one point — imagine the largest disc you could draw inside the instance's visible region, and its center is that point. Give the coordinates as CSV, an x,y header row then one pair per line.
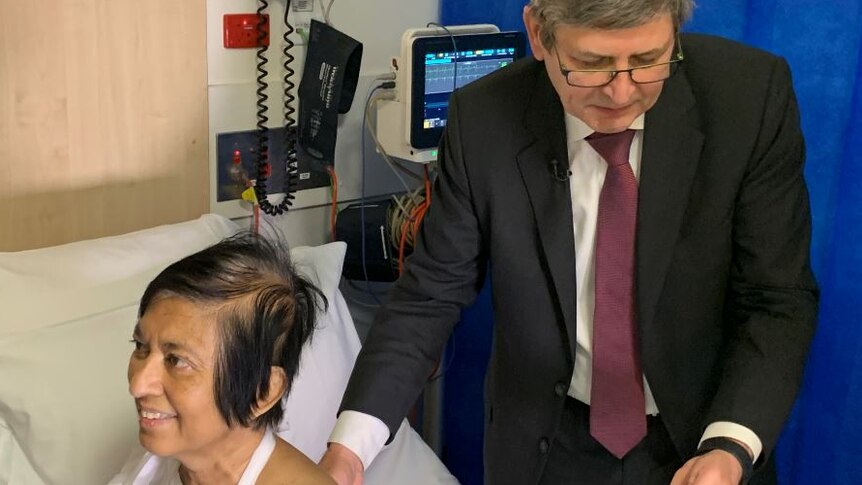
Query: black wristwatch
x,y
737,450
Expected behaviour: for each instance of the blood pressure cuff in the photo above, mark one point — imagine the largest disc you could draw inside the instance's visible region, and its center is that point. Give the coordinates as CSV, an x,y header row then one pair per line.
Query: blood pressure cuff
x,y
326,90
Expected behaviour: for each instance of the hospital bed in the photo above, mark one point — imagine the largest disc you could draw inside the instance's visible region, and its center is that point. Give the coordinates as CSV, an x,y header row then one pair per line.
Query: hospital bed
x,y
66,317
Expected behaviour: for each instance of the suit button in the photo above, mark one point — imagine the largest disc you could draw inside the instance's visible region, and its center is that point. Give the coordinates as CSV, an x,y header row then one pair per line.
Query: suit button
x,y
560,389
544,445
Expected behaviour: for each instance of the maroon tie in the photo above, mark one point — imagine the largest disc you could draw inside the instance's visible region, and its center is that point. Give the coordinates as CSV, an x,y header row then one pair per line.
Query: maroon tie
x,y
617,409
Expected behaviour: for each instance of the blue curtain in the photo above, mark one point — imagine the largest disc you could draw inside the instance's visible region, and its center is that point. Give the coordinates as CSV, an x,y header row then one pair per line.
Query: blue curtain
x,y
822,41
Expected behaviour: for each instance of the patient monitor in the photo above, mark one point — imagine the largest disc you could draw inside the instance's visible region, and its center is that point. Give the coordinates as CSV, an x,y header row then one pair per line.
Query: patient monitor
x,y
433,63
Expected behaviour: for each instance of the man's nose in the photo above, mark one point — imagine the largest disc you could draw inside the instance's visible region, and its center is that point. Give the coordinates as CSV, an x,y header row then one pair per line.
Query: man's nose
x,y
145,377
621,88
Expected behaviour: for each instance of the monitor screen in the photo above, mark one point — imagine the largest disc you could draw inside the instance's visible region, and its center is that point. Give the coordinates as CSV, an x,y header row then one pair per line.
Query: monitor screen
x,y
435,64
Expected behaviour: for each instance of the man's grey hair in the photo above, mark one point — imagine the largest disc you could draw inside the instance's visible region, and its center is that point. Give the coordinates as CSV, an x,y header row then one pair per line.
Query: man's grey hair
x,y
605,14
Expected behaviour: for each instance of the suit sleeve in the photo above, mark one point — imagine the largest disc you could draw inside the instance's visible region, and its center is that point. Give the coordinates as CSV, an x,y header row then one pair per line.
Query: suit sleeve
x,y
772,299
443,275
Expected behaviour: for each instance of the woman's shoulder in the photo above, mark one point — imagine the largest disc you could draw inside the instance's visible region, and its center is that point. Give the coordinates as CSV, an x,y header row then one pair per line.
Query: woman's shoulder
x,y
288,466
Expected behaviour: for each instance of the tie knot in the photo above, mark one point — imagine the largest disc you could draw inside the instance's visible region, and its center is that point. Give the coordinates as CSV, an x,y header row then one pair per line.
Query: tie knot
x,y
613,147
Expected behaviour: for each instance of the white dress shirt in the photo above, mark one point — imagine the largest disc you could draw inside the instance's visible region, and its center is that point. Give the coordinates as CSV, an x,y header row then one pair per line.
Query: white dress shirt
x,y
588,171
365,434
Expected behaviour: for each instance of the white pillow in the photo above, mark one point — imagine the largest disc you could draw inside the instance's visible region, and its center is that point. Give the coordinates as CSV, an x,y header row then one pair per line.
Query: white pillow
x,y
312,406
66,314
46,286
112,258
63,395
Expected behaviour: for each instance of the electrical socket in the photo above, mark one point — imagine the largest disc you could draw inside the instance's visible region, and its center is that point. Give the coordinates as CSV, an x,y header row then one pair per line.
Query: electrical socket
x,y
302,13
303,5
303,27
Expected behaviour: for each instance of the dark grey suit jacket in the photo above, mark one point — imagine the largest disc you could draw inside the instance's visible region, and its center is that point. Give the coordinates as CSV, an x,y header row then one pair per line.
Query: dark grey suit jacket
x,y
726,302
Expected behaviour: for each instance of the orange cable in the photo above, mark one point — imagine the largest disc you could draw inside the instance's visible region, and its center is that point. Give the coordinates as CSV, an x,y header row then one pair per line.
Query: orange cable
x,y
401,246
414,221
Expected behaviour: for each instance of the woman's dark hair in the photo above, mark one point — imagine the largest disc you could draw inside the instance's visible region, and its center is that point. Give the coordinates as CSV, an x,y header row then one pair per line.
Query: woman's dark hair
x,y
266,313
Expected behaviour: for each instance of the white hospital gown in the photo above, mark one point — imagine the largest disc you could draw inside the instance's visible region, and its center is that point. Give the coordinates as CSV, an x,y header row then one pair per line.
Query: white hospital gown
x,y
150,469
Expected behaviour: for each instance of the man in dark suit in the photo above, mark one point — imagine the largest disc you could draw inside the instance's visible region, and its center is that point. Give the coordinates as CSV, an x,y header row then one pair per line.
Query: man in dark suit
x,y
637,198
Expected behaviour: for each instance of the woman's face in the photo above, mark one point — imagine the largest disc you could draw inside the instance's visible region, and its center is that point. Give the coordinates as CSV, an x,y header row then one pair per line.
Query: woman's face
x,y
171,378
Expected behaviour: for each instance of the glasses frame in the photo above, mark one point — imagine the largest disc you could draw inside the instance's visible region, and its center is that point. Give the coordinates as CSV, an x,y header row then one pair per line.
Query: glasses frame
x,y
675,59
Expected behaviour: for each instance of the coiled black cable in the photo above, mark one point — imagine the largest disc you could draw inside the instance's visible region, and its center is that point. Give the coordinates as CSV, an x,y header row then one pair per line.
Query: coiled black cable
x,y
291,177
290,131
262,118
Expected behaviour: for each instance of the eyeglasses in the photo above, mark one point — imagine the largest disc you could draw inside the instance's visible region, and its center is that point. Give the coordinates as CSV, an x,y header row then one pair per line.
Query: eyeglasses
x,y
651,73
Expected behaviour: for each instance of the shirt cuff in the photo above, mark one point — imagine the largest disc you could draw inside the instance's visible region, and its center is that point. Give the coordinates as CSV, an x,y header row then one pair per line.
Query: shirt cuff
x,y
361,433
726,429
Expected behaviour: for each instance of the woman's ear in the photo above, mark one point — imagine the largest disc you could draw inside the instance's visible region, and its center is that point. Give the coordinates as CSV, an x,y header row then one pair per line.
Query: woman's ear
x,y
277,388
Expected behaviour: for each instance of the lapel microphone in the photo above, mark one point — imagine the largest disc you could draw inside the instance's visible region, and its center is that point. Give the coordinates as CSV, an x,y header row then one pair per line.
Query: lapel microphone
x,y
561,174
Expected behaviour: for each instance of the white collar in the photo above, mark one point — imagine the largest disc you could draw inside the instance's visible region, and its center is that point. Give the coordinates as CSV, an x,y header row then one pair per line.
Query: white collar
x,y
578,130
258,459
153,469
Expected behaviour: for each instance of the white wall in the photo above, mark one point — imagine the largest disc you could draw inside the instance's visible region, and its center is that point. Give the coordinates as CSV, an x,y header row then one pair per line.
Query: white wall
x,y
378,24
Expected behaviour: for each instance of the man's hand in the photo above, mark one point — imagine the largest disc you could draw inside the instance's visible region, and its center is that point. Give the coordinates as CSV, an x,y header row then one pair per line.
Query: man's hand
x,y
714,468
342,465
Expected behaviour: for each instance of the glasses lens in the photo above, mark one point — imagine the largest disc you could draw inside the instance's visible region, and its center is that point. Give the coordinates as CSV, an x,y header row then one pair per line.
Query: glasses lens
x,y
653,74
589,79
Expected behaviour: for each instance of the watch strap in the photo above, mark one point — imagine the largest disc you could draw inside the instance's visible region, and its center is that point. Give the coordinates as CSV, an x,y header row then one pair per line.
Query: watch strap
x,y
737,450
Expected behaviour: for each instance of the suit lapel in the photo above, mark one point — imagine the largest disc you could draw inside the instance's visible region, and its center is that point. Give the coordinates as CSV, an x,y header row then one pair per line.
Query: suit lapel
x,y
550,198
671,151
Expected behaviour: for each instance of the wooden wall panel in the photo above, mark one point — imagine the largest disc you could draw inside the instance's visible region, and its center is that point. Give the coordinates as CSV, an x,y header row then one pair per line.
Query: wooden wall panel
x,y
103,118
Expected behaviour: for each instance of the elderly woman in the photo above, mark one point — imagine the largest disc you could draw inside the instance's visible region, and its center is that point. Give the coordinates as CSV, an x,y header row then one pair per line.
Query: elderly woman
x,y
217,344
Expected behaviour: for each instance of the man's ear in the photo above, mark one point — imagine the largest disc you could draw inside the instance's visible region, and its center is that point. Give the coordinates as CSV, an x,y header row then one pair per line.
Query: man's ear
x,y
277,388
534,27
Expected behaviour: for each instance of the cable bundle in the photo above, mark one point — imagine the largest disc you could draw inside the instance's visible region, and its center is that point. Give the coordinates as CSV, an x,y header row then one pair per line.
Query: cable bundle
x,y
405,217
